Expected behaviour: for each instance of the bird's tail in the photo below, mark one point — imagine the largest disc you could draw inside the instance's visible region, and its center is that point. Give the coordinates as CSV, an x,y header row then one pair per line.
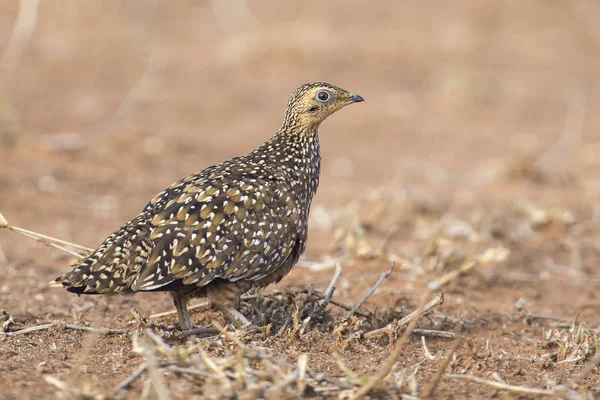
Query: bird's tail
x,y
113,266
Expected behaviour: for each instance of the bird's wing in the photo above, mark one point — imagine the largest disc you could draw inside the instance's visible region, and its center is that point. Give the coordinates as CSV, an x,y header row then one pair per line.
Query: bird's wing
x,y
242,227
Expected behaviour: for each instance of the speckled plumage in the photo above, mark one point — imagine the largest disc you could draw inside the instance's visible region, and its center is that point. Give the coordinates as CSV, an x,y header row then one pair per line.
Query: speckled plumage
x,y
237,225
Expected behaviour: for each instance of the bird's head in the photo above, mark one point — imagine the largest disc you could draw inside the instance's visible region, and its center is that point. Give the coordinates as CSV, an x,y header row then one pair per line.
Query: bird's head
x,y
311,103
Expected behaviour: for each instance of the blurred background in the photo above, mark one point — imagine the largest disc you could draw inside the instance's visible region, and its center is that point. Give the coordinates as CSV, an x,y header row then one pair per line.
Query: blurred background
x,y
478,141
469,105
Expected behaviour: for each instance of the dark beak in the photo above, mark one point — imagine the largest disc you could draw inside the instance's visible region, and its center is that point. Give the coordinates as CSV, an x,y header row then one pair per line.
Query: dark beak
x,y
356,98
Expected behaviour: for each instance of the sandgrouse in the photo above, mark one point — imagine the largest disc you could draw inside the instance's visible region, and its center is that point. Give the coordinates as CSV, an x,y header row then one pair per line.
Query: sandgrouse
x,y
235,226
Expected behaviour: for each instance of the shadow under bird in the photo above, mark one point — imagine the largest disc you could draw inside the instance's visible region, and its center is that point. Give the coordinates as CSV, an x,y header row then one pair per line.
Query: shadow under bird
x,y
235,226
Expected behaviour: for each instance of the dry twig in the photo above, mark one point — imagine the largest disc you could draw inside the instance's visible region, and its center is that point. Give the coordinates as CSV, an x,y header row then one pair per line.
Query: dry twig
x,y
433,286
50,241
37,328
433,383
330,289
504,386
373,289
398,347
434,333
141,347
396,325
125,383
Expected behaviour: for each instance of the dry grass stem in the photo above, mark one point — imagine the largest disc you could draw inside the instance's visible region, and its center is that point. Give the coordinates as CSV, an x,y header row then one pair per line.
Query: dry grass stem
x,y
142,347
330,288
37,328
190,371
228,335
427,392
436,284
373,289
125,383
413,318
426,351
397,325
201,331
434,333
504,386
48,240
57,383
166,349
398,347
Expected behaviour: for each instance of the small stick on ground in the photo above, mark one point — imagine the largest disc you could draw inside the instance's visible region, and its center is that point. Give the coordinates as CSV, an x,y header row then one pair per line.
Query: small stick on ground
x,y
302,367
434,333
201,331
436,284
504,386
426,351
293,377
330,289
320,377
373,289
161,343
210,364
125,383
152,367
228,335
437,300
427,393
66,326
398,347
28,330
183,370
57,383
106,331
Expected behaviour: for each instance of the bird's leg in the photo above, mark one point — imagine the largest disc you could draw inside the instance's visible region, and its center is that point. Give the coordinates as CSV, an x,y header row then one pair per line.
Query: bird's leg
x,y
225,297
184,317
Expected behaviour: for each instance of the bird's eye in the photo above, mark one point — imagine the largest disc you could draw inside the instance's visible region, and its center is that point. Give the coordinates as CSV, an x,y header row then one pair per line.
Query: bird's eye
x,y
323,96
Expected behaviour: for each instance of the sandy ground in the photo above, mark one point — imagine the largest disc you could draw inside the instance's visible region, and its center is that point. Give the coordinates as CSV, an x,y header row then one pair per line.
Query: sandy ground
x,y
478,133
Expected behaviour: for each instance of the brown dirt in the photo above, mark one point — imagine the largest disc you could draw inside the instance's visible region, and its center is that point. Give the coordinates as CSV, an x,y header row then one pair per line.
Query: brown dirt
x,y
462,99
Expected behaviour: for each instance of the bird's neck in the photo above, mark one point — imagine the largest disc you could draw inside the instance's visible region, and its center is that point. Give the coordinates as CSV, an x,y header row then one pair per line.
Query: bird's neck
x,y
290,148
295,155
